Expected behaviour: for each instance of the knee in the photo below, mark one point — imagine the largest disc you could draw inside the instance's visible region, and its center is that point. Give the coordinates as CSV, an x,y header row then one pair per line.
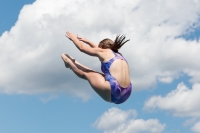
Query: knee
x,y
84,76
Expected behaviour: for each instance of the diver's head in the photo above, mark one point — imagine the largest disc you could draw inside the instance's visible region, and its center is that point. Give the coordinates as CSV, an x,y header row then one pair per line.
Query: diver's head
x,y
106,43
117,44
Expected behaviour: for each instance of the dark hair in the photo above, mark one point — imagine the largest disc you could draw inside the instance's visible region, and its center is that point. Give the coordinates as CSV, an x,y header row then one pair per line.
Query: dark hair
x,y
117,44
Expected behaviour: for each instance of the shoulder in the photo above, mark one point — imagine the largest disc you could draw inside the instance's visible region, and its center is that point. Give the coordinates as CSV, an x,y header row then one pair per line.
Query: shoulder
x,y
102,53
106,54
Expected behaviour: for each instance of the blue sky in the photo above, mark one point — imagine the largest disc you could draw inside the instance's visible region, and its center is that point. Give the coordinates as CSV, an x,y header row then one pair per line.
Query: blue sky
x,y
49,98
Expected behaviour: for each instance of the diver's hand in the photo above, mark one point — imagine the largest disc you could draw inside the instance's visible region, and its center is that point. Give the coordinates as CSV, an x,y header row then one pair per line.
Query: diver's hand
x,y
82,39
71,36
91,44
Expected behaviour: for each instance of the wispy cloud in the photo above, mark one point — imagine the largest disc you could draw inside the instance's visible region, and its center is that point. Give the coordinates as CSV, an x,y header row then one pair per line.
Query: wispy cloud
x,y
47,99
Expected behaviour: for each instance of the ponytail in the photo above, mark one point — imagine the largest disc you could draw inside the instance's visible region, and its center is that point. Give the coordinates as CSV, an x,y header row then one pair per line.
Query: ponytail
x,y
119,42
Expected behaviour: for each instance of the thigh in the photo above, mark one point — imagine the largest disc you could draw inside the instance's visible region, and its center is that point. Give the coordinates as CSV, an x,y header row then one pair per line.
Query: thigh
x,y
99,84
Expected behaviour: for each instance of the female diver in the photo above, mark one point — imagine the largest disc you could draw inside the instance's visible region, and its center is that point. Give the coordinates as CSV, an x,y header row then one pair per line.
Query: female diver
x,y
114,85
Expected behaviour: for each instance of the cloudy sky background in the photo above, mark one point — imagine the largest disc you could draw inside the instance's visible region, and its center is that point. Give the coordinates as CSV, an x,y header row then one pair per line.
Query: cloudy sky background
x,y
38,94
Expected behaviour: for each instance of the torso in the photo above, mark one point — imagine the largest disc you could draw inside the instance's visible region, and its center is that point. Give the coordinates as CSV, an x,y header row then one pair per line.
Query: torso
x,y
119,68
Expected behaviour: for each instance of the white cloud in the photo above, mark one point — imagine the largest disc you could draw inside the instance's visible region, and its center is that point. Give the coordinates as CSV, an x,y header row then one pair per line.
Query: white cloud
x,y
114,117
165,79
196,128
119,121
195,76
30,51
189,122
181,101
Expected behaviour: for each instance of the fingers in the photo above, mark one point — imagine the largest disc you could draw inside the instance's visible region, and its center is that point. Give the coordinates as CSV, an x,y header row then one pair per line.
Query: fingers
x,y
79,38
68,34
71,35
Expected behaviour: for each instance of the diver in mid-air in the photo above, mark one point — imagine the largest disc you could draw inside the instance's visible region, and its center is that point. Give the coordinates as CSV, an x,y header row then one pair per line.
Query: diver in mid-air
x,y
114,85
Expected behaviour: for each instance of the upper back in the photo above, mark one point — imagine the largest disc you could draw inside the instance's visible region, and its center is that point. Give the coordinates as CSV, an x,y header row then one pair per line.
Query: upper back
x,y
117,66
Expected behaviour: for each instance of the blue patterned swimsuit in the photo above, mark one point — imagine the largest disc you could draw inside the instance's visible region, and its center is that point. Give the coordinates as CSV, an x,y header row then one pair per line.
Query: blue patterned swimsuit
x,y
118,93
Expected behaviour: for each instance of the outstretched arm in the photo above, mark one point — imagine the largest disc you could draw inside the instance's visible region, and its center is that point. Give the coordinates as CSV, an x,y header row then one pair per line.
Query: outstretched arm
x,y
74,39
91,44
93,50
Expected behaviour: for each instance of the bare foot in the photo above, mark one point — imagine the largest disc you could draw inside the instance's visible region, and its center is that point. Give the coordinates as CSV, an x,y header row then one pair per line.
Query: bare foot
x,y
66,60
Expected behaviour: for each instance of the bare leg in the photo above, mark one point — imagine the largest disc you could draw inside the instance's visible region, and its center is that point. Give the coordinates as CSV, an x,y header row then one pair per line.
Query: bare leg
x,y
96,80
70,63
79,64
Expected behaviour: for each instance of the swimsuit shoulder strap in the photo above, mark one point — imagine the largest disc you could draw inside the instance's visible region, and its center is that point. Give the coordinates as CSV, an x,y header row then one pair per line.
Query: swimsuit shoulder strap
x,y
119,56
